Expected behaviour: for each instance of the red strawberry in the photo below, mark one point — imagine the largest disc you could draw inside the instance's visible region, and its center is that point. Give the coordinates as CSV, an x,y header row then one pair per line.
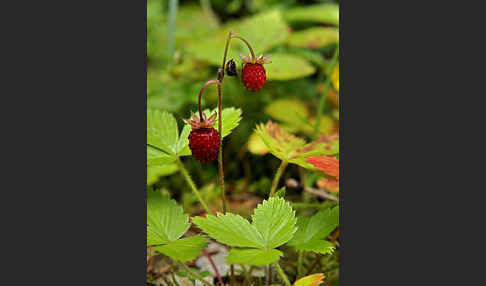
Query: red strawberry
x,y
253,73
203,139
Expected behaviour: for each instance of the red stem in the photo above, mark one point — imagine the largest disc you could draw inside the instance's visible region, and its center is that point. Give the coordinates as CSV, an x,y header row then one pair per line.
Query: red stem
x,y
215,81
214,266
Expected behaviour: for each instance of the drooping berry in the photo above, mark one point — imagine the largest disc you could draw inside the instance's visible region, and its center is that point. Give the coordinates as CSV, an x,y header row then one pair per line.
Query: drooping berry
x,y
231,68
203,139
253,73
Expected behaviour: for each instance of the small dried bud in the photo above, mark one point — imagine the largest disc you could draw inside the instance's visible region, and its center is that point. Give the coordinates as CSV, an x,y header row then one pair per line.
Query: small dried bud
x,y
231,68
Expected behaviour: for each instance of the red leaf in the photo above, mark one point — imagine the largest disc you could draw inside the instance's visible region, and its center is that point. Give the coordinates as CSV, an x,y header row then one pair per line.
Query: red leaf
x,y
328,164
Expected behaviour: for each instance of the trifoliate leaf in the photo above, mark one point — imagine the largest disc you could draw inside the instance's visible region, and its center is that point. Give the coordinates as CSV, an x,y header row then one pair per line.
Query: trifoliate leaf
x,y
184,249
275,220
256,257
287,67
322,13
313,38
312,231
293,149
230,229
273,225
154,172
165,218
231,119
311,280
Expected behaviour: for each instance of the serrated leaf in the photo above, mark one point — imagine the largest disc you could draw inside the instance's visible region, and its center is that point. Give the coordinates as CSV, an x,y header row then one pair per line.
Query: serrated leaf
x,y
165,218
162,131
293,149
313,38
323,13
155,172
183,143
230,229
257,257
254,29
311,280
312,231
275,220
184,249
327,164
318,246
231,119
281,193
287,67
256,145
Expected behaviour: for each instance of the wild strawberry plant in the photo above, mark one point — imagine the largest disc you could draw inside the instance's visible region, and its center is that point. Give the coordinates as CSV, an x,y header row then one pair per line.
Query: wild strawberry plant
x,y
275,232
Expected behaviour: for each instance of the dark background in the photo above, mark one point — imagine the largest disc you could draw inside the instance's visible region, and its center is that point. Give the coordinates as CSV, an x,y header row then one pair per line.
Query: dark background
x,y
74,153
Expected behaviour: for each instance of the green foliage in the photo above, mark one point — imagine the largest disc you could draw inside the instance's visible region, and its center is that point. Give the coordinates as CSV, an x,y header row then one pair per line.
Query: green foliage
x,y
313,38
231,118
311,231
322,13
154,172
273,224
288,66
166,223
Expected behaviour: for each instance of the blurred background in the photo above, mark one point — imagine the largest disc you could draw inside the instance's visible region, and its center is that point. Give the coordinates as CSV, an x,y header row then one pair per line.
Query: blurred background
x,y
185,46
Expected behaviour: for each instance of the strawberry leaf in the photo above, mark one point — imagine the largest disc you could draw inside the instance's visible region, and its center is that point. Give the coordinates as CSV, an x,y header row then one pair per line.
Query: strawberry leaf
x,y
311,280
321,13
165,218
275,220
288,66
327,164
184,249
230,229
162,131
154,172
273,225
256,257
231,119
312,231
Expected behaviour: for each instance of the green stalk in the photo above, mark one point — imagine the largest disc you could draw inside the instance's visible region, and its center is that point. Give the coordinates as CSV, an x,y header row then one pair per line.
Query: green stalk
x,y
282,274
171,29
194,275
190,182
173,277
322,102
276,179
300,268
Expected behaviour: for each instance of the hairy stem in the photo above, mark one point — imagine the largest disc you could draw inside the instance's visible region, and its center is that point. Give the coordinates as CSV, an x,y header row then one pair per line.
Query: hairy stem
x,y
276,179
322,102
220,155
230,36
246,42
194,275
282,274
215,81
300,268
214,266
190,182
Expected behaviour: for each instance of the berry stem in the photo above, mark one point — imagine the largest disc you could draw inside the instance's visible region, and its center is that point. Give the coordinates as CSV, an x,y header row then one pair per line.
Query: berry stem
x,y
200,94
220,155
282,274
230,36
322,102
276,179
190,182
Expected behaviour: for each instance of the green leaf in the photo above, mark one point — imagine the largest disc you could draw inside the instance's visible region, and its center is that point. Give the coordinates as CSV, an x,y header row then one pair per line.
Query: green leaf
x,y
231,119
291,111
154,172
157,157
162,131
165,218
275,220
230,229
312,231
256,257
280,193
184,249
183,143
313,38
288,66
323,13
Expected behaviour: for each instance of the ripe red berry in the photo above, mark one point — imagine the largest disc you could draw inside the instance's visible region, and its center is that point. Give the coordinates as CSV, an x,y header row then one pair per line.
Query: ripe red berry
x,y
253,73
253,76
204,144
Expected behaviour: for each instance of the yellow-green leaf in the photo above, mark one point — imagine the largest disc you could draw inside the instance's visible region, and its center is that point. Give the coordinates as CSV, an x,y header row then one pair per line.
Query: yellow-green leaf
x,y
322,13
287,67
257,257
314,37
156,171
311,280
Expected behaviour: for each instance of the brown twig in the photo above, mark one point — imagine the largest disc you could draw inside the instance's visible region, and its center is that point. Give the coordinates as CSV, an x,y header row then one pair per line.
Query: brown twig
x,y
214,267
318,258
321,193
